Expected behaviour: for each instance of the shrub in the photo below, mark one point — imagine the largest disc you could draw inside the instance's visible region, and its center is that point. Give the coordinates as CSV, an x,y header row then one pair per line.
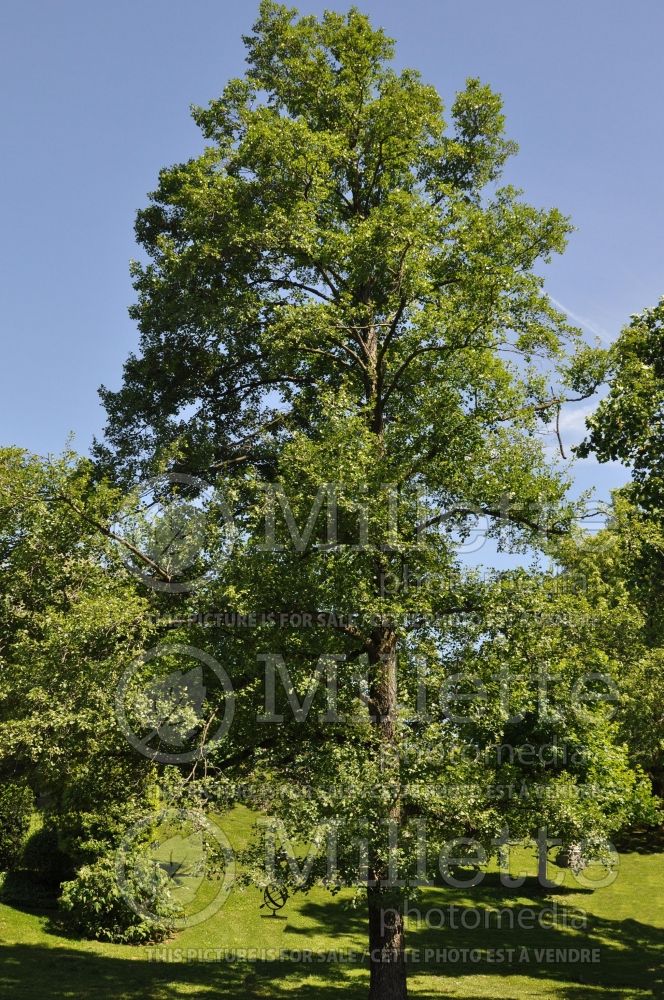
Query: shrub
x,y
97,901
43,858
34,881
16,804
21,889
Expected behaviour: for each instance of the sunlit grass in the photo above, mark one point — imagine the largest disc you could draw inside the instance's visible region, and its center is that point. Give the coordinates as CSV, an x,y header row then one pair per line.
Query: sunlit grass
x,y
622,924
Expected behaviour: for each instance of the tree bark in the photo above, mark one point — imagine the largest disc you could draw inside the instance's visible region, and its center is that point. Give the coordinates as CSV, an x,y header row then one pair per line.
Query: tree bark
x,y
387,961
386,924
386,949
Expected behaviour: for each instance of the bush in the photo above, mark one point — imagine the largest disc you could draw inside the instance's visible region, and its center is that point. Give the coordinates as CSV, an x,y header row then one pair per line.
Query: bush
x,y
21,889
43,858
16,804
98,905
34,881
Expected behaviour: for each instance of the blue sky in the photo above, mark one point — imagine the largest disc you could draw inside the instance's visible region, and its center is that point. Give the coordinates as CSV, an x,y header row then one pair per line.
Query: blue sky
x,y
95,100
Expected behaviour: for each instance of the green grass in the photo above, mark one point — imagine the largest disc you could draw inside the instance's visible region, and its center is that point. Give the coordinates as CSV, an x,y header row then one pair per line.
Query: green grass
x,y
625,921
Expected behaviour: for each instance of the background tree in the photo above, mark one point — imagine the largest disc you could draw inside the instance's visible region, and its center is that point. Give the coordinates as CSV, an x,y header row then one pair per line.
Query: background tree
x,y
629,556
627,424
71,619
618,570
338,291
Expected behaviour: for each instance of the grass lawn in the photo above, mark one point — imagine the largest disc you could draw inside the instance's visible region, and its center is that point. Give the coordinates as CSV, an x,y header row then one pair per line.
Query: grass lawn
x,y
624,931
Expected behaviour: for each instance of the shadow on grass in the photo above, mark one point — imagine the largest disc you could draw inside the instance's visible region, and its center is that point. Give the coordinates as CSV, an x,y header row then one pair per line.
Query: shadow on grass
x,y
486,918
630,966
531,886
38,973
649,841
542,938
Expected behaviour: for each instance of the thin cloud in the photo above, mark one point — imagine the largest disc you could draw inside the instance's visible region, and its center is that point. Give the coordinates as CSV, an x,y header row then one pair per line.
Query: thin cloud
x,y
573,421
591,327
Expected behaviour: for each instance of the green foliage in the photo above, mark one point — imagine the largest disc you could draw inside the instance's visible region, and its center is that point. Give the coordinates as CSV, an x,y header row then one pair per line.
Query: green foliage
x,y
623,573
16,805
71,620
338,294
627,425
44,859
97,906
338,233
339,290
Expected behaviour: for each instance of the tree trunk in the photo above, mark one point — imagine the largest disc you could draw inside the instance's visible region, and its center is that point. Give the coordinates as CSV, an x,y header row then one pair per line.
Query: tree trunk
x,y
386,949
387,962
571,857
386,925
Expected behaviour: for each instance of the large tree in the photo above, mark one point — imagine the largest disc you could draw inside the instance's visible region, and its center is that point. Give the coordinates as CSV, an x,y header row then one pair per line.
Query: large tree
x,y
340,298
628,426
70,620
621,569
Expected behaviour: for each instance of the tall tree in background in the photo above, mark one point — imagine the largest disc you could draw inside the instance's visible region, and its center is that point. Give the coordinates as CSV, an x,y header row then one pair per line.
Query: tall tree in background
x,y
70,620
628,426
621,567
339,292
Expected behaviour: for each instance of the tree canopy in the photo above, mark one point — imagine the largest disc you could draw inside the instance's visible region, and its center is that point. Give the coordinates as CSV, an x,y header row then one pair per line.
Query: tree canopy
x,y
345,333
